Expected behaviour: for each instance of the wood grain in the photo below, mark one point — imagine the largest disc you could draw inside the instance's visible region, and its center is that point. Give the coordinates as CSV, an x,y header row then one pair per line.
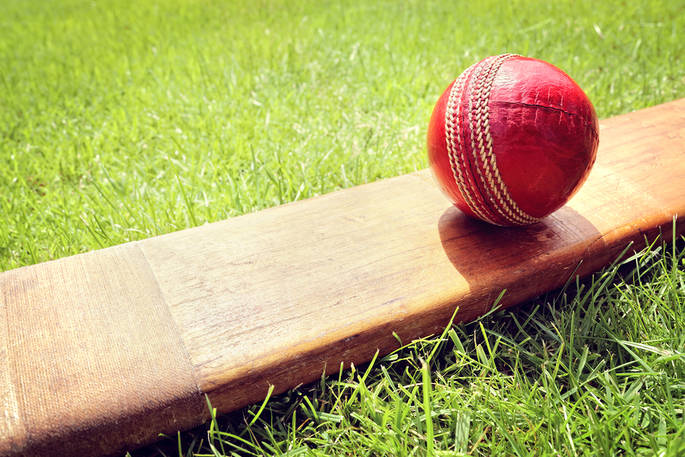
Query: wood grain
x,y
275,297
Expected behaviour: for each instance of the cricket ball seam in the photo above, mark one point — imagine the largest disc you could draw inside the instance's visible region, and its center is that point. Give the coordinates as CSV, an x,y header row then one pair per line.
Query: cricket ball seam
x,y
495,203
485,183
482,184
476,170
505,205
454,151
471,193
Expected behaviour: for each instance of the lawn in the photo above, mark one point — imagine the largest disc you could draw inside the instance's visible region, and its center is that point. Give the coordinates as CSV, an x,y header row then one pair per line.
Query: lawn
x,y
122,120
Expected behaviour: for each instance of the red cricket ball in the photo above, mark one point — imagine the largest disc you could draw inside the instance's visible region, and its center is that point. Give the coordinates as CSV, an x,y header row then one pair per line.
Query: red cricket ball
x,y
512,139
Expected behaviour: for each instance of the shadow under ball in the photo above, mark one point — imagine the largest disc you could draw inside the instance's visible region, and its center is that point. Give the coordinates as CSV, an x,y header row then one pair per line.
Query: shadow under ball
x,y
512,139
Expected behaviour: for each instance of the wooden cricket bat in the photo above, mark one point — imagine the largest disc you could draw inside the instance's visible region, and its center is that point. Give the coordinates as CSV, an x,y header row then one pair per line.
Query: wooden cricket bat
x,y
102,351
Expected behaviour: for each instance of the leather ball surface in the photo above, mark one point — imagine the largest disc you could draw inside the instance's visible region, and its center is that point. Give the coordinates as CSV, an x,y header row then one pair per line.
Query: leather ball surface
x,y
512,139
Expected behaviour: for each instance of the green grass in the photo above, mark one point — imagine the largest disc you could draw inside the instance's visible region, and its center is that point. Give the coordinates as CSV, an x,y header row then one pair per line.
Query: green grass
x,y
123,120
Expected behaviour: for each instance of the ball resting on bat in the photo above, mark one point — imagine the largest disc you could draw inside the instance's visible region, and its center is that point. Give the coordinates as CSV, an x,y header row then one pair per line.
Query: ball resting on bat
x,y
512,139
